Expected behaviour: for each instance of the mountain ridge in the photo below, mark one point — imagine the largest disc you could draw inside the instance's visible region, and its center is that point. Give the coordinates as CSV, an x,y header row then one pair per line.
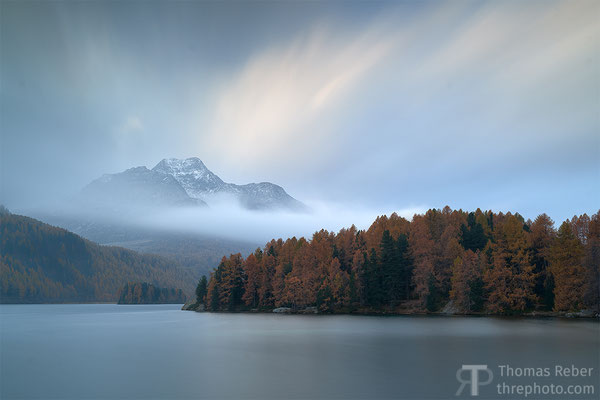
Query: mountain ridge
x,y
184,182
201,183
136,186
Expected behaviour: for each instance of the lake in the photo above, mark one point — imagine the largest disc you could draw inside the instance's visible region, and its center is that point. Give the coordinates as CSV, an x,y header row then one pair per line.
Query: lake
x,y
106,351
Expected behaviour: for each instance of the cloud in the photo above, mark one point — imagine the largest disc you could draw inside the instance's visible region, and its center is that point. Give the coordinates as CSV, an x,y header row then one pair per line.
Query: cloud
x,y
456,71
423,103
273,101
231,221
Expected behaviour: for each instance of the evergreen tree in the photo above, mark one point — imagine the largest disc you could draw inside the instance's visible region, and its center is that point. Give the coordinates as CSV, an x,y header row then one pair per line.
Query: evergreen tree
x,y
472,235
201,290
405,264
374,292
431,302
212,294
389,264
541,237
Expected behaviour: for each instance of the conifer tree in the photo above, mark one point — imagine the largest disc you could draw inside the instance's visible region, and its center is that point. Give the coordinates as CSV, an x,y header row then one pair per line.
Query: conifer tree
x,y
592,264
421,247
472,234
541,237
566,255
510,279
201,290
466,283
253,280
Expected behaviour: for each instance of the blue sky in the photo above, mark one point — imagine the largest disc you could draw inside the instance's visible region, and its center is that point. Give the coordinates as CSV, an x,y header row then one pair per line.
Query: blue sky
x,y
378,105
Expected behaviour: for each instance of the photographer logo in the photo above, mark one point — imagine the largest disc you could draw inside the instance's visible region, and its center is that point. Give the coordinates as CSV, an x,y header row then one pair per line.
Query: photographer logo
x,y
473,378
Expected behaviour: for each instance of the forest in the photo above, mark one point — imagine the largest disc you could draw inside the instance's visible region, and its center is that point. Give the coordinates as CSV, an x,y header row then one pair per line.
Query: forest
x,y
146,293
466,262
40,263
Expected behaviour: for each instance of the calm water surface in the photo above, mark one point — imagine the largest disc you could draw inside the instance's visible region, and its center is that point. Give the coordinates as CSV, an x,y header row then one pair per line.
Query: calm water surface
x,y
102,351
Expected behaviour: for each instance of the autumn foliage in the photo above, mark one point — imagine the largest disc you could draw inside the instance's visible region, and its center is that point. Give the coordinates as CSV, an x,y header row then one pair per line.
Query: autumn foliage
x,y
469,262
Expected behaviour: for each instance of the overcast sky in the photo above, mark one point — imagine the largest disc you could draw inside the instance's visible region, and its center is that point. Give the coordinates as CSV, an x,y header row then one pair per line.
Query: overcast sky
x,y
377,105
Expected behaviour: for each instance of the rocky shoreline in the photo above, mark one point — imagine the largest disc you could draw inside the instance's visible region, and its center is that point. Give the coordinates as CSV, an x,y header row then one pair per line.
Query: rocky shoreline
x,y
447,311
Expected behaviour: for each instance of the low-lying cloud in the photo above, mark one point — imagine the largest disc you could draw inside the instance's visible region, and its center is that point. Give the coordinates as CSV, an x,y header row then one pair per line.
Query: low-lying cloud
x,y
233,222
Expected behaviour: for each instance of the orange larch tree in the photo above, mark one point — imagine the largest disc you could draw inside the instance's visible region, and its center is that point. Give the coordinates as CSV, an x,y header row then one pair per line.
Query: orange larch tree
x,y
510,279
566,265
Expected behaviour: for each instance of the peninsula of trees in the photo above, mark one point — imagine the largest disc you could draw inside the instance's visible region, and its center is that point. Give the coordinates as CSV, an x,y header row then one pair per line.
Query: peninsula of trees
x,y
146,293
477,262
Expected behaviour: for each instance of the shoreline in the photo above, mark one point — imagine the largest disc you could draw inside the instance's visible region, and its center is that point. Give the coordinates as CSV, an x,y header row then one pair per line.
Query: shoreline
x,y
583,314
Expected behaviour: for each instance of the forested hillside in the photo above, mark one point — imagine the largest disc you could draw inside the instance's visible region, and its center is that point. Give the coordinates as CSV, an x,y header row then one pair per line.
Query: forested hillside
x,y
469,262
40,263
199,253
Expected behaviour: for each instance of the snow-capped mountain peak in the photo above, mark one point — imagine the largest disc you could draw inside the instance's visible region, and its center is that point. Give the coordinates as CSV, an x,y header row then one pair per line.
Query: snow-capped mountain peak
x,y
137,186
191,173
201,183
176,182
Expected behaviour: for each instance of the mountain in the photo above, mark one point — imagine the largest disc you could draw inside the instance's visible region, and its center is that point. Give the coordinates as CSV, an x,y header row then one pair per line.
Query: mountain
x,y
193,176
132,209
173,182
40,263
201,183
137,186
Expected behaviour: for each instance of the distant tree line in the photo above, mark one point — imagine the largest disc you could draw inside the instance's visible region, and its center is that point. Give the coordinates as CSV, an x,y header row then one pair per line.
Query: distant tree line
x,y
472,262
40,263
146,293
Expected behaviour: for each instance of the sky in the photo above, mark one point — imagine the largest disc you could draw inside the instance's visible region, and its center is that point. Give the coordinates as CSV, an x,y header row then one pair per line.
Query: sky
x,y
375,106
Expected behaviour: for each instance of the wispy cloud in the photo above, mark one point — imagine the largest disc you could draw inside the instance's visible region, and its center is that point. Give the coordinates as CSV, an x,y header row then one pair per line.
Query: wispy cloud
x,y
273,100
454,71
